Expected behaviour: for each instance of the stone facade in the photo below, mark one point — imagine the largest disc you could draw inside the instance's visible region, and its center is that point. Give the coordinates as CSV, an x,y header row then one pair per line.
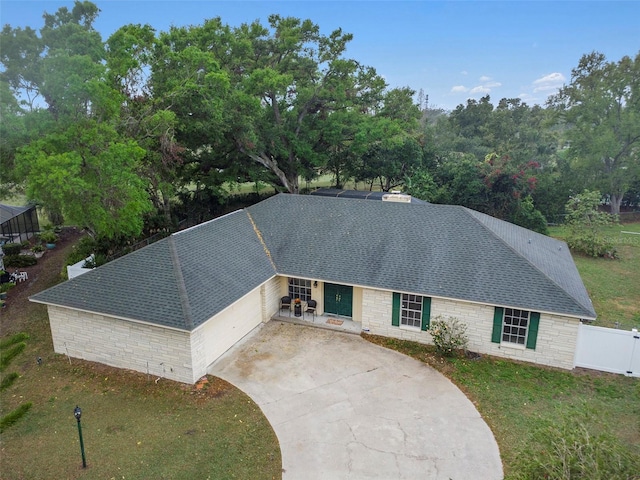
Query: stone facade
x,y
557,335
186,356
158,351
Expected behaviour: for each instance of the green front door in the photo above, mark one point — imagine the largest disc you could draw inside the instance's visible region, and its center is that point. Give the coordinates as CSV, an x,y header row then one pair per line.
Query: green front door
x,y
338,299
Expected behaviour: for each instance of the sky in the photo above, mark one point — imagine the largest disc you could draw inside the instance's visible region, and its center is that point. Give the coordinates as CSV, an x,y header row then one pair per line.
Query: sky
x,y
452,50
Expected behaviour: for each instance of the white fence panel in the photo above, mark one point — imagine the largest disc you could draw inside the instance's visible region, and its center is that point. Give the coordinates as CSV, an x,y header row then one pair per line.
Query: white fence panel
x,y
608,350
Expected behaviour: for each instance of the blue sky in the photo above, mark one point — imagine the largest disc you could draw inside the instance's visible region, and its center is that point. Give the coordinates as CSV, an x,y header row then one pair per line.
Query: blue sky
x,y
452,50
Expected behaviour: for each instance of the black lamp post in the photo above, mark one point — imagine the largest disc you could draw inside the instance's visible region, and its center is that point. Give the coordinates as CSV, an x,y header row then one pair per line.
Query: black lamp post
x,y
77,412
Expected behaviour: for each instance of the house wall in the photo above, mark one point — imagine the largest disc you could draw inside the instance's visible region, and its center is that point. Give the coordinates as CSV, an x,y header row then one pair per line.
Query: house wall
x,y
144,348
270,295
557,335
317,293
218,334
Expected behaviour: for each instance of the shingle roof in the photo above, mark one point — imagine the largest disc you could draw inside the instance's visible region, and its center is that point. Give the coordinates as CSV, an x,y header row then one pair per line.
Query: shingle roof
x,y
437,250
178,282
434,250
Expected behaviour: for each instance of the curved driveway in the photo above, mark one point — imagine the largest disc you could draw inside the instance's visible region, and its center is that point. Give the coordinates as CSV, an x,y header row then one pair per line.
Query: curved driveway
x,y
343,408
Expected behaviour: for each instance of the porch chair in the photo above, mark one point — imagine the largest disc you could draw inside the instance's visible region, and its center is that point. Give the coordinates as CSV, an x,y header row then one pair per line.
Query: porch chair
x,y
311,308
285,304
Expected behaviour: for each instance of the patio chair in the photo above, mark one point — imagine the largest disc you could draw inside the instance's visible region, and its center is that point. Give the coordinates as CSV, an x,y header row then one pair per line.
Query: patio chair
x,y
312,305
285,304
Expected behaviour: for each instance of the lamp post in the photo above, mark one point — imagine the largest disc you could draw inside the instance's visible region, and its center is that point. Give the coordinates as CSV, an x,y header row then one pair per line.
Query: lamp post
x,y
77,412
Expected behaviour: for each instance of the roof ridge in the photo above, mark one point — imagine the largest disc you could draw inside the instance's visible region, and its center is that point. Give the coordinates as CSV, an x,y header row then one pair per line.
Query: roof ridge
x,y
182,288
261,240
469,211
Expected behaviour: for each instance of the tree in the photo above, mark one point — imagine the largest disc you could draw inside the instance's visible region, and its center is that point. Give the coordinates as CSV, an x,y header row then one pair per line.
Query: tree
x,y
88,173
79,165
601,105
586,222
287,83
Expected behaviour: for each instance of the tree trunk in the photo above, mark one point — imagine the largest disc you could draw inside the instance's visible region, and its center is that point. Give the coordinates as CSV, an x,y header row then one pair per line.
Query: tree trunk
x,y
616,201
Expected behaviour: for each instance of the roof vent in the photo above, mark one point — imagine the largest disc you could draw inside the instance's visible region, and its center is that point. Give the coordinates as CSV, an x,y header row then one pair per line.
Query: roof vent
x,y
396,196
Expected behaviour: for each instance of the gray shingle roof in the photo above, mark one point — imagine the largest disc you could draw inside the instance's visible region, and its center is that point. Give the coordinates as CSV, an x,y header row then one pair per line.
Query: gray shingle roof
x,y
435,250
178,282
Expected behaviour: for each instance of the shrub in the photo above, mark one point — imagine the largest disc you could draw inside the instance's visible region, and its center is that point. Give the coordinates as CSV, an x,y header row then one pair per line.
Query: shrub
x,y
448,335
11,249
19,261
81,250
37,248
8,380
14,416
10,354
571,450
48,236
586,223
13,339
5,287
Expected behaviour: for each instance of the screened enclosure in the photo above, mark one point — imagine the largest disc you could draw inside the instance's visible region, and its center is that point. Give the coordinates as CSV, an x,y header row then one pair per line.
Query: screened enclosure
x,y
17,223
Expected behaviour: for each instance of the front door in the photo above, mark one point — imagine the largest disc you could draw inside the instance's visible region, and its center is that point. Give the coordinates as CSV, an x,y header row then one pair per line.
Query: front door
x,y
338,299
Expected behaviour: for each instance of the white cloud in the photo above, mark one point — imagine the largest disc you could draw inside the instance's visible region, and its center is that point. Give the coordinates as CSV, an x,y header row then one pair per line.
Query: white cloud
x,y
480,89
492,85
549,83
464,72
484,78
459,89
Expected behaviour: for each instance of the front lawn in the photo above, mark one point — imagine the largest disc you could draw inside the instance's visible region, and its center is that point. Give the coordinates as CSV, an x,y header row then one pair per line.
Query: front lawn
x,y
613,285
134,426
547,415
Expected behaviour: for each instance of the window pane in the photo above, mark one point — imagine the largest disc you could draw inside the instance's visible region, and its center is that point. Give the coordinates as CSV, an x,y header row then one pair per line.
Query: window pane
x,y
515,326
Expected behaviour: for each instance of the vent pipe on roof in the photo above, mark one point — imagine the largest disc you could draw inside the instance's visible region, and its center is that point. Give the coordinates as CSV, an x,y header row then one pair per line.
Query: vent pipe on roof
x,y
396,196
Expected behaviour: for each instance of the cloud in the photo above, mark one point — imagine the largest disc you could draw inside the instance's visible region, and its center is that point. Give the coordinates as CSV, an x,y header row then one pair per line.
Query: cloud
x,y
464,72
480,89
492,85
548,83
484,78
459,89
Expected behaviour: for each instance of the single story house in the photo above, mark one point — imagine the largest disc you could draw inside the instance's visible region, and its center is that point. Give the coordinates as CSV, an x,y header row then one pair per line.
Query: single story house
x,y
172,308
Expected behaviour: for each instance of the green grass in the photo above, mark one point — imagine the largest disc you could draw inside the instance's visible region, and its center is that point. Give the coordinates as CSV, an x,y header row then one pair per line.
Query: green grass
x,y
133,427
522,403
613,285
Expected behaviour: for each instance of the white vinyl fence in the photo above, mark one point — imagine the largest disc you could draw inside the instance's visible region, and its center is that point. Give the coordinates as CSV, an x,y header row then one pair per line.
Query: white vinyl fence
x,y
608,350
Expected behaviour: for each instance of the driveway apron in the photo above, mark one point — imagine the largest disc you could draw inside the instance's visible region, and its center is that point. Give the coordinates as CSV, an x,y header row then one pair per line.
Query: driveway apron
x,y
343,408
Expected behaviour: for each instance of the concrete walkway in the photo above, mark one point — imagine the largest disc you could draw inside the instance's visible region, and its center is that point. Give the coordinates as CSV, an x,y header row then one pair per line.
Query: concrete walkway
x,y
343,408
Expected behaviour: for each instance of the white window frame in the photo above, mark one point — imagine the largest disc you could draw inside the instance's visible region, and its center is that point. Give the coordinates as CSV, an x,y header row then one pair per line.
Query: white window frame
x,y
411,311
299,288
512,328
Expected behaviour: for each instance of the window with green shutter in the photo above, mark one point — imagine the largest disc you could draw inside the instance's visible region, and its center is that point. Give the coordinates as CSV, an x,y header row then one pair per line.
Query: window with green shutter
x,y
515,326
410,310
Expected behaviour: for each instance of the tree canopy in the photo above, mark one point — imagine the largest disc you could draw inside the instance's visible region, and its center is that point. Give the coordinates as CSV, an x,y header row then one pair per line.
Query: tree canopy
x,y
109,133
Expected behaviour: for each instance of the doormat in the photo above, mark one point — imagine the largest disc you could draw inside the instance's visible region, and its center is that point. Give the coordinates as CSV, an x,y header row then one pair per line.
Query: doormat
x,y
333,321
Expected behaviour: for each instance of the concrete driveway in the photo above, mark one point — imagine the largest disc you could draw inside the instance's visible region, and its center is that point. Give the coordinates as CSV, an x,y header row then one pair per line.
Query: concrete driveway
x,y
343,408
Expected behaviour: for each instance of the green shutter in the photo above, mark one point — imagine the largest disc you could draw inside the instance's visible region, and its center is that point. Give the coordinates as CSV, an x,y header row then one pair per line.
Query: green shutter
x,y
426,312
498,315
395,313
534,321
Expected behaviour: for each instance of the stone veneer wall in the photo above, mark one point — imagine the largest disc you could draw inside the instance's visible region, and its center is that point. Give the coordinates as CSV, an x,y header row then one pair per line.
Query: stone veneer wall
x,y
158,351
557,335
